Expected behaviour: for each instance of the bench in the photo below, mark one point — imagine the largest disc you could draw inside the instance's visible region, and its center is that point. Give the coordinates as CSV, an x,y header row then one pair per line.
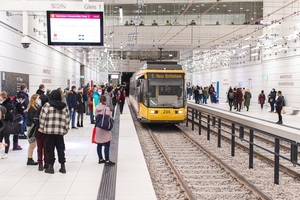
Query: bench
x,y
291,110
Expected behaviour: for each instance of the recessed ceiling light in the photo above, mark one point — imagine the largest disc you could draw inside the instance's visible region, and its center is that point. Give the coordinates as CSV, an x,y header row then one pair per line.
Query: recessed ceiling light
x,y
247,10
197,6
154,11
224,5
116,7
229,10
163,9
168,11
159,6
218,8
241,8
193,9
202,4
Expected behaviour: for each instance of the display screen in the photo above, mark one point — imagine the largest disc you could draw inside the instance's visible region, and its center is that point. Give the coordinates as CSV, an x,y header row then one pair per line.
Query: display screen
x,y
114,76
75,28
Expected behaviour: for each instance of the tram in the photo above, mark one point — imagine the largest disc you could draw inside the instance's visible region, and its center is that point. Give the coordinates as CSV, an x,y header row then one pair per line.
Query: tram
x,y
157,93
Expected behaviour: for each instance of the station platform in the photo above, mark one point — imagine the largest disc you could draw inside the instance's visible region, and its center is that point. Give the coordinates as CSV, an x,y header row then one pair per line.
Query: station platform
x,y
289,120
85,179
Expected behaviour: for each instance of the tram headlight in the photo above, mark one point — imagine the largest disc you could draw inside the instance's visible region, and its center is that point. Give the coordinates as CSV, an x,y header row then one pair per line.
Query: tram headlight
x,y
178,112
153,111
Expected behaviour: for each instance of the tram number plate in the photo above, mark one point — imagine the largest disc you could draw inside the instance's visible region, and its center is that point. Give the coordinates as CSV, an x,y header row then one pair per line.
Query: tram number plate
x,y
166,112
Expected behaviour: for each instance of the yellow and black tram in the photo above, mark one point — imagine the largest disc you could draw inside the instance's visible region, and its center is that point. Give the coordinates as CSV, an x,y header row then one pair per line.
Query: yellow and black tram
x,y
157,93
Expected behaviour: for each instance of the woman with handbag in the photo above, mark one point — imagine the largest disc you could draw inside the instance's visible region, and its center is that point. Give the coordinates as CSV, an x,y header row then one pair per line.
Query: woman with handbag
x,y
8,116
103,137
33,107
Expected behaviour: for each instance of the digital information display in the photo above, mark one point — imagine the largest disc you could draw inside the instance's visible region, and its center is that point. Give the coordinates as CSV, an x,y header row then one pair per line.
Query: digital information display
x,y
75,28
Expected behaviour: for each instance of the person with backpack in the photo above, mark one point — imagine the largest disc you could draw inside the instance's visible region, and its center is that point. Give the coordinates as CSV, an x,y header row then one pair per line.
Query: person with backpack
x,y
230,97
121,98
7,117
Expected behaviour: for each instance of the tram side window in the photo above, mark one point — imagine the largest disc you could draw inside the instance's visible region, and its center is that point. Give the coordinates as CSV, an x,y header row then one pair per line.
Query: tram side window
x,y
145,92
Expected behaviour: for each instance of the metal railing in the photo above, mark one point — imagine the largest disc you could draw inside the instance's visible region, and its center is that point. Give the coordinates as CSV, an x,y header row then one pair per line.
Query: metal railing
x,y
215,117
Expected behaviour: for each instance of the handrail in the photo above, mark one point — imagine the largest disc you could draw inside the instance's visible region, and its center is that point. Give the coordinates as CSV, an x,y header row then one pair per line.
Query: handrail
x,y
277,132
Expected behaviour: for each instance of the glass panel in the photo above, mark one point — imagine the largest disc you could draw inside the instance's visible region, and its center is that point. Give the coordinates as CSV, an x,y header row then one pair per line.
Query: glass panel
x,y
166,93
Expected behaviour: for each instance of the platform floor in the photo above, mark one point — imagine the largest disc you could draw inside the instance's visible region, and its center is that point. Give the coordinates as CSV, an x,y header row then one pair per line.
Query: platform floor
x,y
256,112
83,177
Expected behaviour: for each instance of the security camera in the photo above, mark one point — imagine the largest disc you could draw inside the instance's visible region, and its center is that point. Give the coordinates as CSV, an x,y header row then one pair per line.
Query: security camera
x,y
25,42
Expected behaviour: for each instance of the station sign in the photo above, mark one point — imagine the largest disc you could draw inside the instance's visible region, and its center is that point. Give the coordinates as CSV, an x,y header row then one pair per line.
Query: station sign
x,y
13,5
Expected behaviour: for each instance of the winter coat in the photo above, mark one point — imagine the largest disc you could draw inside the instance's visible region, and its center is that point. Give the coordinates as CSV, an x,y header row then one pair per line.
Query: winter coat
x,y
90,101
102,136
96,97
261,98
272,97
81,107
55,118
239,96
109,101
72,100
279,102
247,98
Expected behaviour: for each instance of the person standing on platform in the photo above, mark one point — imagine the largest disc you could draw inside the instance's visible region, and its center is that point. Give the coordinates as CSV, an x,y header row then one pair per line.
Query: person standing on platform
x,y
271,99
103,137
196,94
91,105
8,116
108,95
247,97
205,95
279,105
24,93
33,106
72,104
230,97
239,99
81,108
261,99
121,98
54,123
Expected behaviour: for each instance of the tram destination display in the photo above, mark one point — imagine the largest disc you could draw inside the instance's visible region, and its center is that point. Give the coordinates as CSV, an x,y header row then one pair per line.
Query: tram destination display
x,y
72,28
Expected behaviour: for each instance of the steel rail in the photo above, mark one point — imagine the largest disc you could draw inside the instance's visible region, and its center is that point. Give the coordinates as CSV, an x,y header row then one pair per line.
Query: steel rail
x,y
179,178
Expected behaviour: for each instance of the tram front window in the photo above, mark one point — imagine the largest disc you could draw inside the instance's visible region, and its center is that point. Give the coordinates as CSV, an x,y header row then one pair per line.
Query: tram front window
x,y
166,93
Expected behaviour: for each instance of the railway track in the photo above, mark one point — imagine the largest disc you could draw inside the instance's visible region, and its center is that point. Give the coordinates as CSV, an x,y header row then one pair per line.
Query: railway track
x,y
261,140
263,173
184,166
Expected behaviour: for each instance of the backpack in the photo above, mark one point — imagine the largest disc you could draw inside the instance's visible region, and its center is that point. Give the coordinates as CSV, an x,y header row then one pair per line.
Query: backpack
x,y
231,95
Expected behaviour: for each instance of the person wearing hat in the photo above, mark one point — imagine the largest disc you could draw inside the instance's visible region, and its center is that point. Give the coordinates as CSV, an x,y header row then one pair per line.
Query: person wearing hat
x,y
54,123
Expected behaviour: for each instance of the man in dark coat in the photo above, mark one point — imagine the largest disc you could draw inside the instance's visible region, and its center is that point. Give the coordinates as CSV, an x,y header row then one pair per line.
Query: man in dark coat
x,y
72,104
279,105
24,93
41,92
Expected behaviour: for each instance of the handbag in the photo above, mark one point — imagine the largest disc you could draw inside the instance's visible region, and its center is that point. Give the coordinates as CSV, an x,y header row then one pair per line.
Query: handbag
x,y
94,135
104,121
14,126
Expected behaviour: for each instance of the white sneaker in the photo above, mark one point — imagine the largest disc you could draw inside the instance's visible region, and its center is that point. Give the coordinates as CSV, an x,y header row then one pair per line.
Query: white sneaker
x,y
4,156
